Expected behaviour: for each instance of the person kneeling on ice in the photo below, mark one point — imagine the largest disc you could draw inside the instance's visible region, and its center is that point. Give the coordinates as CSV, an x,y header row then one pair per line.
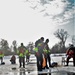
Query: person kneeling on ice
x,y
13,59
1,57
70,54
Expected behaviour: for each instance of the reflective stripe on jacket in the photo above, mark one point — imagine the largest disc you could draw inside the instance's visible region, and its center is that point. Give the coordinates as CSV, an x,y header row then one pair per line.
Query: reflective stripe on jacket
x,y
46,51
36,49
21,54
1,55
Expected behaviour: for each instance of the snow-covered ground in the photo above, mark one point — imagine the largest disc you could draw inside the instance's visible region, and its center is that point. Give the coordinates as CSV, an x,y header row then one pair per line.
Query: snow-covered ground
x,y
31,68
7,68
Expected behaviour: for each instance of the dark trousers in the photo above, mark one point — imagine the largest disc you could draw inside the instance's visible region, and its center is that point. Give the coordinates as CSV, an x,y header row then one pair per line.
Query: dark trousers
x,y
74,61
68,60
27,58
1,58
39,62
22,60
48,59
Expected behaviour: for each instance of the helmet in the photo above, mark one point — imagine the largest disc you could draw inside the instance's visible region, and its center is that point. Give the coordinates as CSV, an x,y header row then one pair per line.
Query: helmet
x,y
71,45
21,44
47,40
42,38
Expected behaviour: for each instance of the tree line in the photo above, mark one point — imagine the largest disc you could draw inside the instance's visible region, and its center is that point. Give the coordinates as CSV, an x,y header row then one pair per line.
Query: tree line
x,y
59,47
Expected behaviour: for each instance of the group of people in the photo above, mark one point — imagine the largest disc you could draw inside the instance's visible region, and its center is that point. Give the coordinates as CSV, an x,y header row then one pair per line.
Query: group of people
x,y
21,52
42,50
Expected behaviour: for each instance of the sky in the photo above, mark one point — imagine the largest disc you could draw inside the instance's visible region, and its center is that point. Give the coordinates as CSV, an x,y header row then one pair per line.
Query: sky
x,y
28,20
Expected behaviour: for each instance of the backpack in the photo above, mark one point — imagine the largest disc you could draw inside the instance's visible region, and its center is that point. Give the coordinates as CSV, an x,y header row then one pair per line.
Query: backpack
x,y
21,50
1,52
37,42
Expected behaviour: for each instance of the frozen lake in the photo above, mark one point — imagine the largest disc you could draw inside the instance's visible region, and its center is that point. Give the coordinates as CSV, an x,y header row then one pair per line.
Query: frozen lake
x,y
31,68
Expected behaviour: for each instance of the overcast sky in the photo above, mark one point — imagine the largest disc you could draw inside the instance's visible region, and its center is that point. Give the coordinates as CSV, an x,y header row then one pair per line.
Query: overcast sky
x,y
28,20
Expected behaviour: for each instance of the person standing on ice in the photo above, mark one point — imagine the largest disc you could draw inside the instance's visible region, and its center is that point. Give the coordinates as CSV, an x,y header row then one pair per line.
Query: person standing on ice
x,y
39,46
27,56
1,56
47,54
21,52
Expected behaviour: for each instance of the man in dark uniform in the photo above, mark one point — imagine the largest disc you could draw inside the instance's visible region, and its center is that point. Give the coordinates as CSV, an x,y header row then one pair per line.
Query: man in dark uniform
x,y
47,53
39,45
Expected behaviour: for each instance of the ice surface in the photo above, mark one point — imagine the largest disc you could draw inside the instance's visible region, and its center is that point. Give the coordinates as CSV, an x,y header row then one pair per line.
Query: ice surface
x,y
31,68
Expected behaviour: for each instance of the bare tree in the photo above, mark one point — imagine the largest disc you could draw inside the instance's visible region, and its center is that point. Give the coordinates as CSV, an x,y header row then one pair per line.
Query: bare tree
x,y
4,44
62,36
30,46
14,43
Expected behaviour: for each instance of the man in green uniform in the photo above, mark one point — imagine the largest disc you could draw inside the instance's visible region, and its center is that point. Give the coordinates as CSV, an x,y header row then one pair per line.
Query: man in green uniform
x,y
27,56
39,46
1,56
21,52
47,53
